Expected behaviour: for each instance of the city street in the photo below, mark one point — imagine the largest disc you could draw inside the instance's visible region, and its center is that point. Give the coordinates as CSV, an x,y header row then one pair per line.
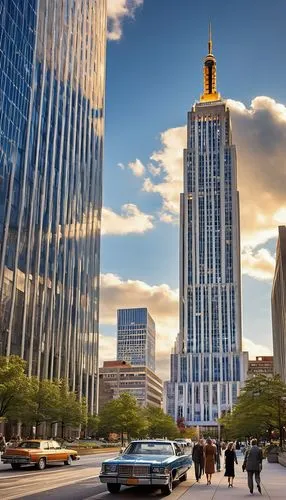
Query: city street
x,y
80,482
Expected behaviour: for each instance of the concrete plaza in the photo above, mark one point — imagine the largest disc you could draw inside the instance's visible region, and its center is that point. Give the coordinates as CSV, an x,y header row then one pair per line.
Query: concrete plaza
x,y
273,484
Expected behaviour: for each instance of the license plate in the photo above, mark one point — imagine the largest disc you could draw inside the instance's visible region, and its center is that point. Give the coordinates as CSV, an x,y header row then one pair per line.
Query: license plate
x,y
132,480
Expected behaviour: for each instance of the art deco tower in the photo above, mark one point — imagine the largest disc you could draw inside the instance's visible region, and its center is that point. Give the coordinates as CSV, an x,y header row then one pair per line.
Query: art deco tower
x,y
207,367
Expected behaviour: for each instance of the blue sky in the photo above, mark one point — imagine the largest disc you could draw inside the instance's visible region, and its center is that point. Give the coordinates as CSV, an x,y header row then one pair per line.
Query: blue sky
x,y
154,75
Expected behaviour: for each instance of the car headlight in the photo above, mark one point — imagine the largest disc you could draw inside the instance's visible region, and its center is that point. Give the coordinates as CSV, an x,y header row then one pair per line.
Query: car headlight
x,y
159,470
110,468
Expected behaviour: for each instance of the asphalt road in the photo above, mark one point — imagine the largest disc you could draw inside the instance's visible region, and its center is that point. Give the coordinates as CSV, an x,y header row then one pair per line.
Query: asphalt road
x,y
77,482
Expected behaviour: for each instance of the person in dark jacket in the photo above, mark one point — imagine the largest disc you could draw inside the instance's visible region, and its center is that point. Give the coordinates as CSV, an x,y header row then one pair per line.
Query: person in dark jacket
x,y
230,458
253,465
198,459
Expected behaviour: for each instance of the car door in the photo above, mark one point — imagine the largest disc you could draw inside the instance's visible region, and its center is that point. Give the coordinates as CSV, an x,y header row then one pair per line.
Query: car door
x,y
58,452
180,461
46,450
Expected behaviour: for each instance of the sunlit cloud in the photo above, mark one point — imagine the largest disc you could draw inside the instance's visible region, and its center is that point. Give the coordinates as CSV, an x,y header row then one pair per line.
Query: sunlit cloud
x,y
130,220
117,11
259,265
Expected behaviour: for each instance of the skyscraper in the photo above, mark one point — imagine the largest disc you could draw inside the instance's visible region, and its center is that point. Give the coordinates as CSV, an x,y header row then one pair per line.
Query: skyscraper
x,y
136,339
278,300
208,366
52,72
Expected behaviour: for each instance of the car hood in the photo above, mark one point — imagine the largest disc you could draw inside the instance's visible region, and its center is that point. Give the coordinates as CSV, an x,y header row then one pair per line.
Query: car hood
x,y
142,459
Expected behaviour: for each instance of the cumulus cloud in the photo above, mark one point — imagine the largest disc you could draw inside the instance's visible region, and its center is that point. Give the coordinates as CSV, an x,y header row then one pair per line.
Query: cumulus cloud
x,y
255,349
107,348
161,301
117,10
131,220
259,265
137,167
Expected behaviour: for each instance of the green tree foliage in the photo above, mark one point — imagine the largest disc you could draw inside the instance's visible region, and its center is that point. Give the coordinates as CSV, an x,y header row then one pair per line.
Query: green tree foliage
x,y
259,410
34,402
13,387
124,416
92,425
160,425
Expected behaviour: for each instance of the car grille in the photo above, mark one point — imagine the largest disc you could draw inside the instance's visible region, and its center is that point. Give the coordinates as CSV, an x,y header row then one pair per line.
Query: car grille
x,y
136,470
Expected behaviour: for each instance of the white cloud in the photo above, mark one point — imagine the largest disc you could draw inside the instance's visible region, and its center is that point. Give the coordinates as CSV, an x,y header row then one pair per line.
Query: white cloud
x,y
155,171
117,10
107,348
137,167
259,265
255,349
131,220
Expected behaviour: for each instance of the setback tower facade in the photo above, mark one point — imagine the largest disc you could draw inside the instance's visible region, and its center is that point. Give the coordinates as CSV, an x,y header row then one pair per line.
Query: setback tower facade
x,y
52,75
207,365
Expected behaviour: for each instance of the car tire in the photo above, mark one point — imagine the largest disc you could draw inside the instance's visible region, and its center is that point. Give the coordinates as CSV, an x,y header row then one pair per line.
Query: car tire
x,y
68,461
41,465
113,487
183,477
16,466
168,488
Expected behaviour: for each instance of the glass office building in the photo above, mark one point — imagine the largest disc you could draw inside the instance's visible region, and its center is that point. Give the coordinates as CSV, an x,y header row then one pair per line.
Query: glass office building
x,y
136,337
52,72
208,365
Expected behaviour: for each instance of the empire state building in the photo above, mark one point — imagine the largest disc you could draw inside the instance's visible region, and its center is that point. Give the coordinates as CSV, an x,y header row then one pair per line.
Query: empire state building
x,y
208,366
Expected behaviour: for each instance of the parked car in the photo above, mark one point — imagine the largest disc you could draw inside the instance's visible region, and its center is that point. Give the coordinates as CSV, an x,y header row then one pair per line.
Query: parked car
x,y
147,462
39,453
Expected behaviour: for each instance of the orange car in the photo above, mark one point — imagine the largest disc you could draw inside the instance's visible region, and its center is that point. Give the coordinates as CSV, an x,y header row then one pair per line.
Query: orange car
x,y
39,453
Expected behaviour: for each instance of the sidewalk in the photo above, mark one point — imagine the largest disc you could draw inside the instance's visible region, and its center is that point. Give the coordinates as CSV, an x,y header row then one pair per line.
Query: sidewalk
x,y
273,484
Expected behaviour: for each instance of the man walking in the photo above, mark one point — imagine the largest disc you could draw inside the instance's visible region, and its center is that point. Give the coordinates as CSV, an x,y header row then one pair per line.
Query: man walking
x,y
198,459
253,465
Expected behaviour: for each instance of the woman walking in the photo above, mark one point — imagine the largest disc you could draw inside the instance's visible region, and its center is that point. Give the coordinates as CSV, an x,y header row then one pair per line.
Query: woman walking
x,y
230,458
210,457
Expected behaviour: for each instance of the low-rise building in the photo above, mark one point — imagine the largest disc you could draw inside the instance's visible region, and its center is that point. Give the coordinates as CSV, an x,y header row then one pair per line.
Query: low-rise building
x,y
117,377
261,365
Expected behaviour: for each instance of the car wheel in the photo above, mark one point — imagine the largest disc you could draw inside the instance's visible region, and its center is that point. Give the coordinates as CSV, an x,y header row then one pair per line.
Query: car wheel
x,y
168,488
113,487
16,466
41,465
183,477
68,461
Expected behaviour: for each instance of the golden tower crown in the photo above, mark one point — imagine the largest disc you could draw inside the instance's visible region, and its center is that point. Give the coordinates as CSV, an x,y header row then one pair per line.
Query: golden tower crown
x,y
210,91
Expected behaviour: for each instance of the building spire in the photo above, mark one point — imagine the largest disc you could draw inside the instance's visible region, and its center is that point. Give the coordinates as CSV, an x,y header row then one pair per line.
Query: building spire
x,y
210,38
210,91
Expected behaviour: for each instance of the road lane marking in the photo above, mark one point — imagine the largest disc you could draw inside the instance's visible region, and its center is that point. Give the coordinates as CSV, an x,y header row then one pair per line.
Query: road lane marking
x,y
99,495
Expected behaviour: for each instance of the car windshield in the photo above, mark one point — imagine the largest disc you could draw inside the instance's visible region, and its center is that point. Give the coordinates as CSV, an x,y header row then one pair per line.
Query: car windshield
x,y
29,444
149,449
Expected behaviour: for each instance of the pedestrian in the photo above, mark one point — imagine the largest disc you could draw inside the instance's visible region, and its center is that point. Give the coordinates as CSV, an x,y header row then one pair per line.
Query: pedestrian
x,y
198,459
210,456
229,459
218,455
237,445
253,465
2,443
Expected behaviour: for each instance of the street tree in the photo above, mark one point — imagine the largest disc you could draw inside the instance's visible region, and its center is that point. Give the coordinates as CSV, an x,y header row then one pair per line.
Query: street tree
x,y
123,416
160,425
14,387
260,408
71,411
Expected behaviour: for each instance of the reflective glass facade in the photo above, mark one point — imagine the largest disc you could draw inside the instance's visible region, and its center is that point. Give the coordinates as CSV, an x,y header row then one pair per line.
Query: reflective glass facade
x,y
52,71
209,366
136,337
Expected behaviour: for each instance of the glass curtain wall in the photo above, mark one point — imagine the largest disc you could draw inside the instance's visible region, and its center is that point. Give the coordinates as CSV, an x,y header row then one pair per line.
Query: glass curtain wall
x,y
52,72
